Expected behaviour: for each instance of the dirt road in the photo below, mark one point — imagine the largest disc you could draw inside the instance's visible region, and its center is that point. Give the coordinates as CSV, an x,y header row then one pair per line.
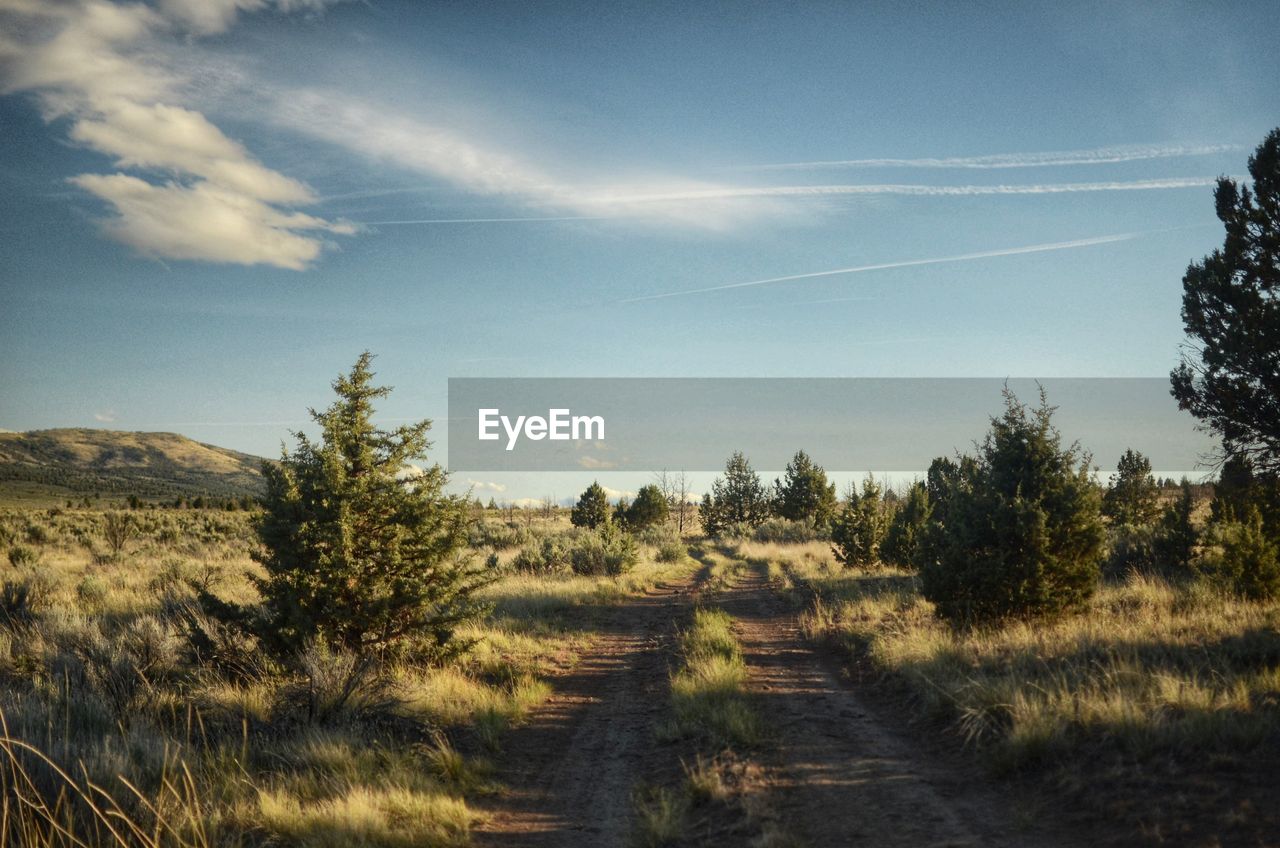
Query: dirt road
x,y
572,769
836,771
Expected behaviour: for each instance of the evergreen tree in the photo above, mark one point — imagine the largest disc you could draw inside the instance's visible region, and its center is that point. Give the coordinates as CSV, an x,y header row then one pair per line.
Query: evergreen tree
x,y
736,498
592,508
1229,377
648,510
1020,530
1132,497
804,493
1176,535
356,558
908,524
1247,557
712,526
858,530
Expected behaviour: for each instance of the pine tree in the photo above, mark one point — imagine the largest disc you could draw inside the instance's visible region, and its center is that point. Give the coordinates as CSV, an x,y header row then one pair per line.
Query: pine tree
x,y
804,493
1176,535
356,558
592,508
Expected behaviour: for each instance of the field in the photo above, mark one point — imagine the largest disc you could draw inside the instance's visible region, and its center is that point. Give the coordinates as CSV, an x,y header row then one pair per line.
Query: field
x,y
731,693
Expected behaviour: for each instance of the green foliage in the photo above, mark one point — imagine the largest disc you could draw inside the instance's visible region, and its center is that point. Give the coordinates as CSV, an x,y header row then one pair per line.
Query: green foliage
x,y
736,498
607,551
786,532
1229,377
1248,558
902,538
804,493
23,556
358,560
545,556
1174,547
1132,497
648,510
592,509
1021,532
860,527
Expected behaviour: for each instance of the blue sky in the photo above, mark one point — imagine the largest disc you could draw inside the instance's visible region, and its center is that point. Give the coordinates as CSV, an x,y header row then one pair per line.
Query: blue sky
x,y
203,201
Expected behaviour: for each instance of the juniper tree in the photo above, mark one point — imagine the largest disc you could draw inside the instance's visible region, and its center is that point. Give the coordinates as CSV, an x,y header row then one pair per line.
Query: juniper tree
x,y
1132,497
804,493
908,524
1021,532
356,557
858,530
592,508
1229,377
648,510
736,498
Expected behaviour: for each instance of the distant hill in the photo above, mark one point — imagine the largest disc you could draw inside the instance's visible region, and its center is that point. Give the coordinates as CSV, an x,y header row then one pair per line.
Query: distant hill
x,y
149,465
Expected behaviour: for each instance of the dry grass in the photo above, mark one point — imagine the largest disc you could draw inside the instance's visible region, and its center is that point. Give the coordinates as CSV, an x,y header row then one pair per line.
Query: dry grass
x,y
1148,668
112,722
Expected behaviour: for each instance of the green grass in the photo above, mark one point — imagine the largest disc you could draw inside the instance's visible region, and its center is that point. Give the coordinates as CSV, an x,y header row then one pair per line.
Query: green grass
x,y
708,694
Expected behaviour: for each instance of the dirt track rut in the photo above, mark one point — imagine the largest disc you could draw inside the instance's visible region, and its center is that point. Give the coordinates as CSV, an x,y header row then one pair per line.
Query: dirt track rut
x,y
836,772
572,769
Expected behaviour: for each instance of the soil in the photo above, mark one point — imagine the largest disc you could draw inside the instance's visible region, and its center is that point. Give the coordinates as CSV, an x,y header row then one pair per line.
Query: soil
x,y
837,771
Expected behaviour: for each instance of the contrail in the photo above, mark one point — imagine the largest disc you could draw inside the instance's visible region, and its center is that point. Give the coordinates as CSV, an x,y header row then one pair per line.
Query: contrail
x,y
919,190
1096,156
910,263
483,220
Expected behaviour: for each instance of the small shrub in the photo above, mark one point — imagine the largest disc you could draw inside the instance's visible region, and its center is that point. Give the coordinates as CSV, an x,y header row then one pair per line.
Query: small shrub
x,y
92,592
1247,560
545,557
1131,549
605,552
23,556
785,531
22,599
671,552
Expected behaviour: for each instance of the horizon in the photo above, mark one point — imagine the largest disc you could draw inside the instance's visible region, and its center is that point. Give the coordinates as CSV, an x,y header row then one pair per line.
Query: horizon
x,y
209,212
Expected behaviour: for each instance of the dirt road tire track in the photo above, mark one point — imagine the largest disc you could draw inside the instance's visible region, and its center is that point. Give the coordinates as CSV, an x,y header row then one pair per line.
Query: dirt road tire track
x,y
838,774
573,768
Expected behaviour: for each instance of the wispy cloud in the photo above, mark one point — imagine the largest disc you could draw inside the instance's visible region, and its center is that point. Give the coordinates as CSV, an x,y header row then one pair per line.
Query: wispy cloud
x,y
107,416
914,190
909,263
1095,156
94,64
486,486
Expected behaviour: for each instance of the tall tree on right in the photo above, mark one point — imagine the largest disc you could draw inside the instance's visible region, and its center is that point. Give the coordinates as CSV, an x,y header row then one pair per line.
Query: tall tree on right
x,y
1229,376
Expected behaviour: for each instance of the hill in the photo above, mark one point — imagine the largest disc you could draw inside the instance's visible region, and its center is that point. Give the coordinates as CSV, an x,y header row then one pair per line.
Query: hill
x,y
149,465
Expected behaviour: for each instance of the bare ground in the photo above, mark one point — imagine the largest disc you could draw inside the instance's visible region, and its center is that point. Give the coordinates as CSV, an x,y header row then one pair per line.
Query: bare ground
x,y
573,768
837,771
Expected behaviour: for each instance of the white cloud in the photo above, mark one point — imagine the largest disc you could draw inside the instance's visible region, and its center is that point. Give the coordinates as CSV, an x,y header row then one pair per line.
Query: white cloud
x,y
95,63
592,463
617,494
485,486
205,222
106,416
1095,156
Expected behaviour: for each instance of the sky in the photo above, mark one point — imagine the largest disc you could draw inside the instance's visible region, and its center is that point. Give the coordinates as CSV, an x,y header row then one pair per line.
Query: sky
x,y
209,208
